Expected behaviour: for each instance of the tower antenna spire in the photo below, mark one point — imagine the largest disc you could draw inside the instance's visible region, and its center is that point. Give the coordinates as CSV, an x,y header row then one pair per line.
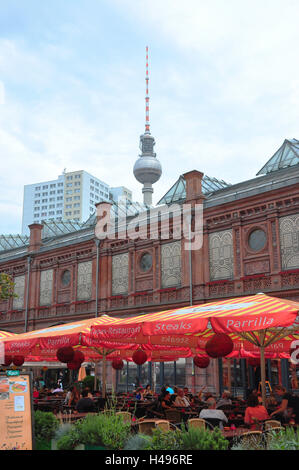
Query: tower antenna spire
x,y
147,123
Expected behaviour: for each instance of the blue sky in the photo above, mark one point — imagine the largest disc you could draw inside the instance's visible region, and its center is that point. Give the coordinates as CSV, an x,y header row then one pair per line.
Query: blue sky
x,y
223,87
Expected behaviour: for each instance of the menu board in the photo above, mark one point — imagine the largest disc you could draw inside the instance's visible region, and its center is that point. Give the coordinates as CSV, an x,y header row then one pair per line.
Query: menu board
x,y
16,411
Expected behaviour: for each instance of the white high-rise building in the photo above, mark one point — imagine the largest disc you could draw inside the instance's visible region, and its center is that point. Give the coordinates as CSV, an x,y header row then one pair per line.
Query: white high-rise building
x,y
71,197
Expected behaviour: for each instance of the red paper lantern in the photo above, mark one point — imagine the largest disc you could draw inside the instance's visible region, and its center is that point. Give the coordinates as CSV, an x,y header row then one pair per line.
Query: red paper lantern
x,y
7,360
117,363
65,354
220,345
73,365
139,357
201,362
78,357
254,362
18,360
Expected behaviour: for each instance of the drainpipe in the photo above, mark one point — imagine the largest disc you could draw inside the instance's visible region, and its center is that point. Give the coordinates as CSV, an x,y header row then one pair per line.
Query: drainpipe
x,y
97,275
27,293
190,263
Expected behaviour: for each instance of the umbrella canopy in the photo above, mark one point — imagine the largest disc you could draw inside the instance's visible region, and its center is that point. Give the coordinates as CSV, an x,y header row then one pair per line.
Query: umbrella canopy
x,y
238,315
259,320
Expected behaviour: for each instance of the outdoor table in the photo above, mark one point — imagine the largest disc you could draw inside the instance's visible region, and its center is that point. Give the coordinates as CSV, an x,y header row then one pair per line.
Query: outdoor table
x,y
234,433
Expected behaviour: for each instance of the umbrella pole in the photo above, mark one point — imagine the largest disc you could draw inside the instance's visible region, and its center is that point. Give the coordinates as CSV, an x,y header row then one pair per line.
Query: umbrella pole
x,y
263,374
229,375
104,372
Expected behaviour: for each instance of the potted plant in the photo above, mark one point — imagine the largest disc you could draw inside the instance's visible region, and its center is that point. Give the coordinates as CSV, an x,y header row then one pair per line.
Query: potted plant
x,y
45,426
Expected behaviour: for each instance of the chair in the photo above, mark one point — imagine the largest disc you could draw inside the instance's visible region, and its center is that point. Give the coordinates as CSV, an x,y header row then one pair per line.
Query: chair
x,y
196,423
146,427
252,439
213,422
127,417
174,416
272,423
163,425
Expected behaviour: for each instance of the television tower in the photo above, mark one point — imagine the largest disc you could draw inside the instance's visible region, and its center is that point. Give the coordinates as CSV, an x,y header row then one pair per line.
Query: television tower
x,y
147,169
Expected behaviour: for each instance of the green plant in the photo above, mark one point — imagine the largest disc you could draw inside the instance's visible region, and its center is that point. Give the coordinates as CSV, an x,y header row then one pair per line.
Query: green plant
x,y
45,425
165,440
6,287
285,439
138,442
203,439
71,439
254,443
108,430
88,381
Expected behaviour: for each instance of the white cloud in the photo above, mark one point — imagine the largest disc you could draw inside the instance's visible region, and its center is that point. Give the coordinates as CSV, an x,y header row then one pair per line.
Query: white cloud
x,y
223,86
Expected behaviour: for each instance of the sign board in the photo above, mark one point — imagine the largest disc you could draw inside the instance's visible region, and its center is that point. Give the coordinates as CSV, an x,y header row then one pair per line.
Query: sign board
x,y
16,411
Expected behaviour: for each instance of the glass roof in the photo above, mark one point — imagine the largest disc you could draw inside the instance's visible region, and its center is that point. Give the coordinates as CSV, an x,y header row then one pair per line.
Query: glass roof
x,y
54,228
10,242
287,155
178,191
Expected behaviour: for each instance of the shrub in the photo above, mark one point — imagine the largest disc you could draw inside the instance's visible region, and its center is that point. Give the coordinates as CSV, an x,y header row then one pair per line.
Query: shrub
x,y
285,439
108,430
165,440
138,442
45,425
88,381
203,439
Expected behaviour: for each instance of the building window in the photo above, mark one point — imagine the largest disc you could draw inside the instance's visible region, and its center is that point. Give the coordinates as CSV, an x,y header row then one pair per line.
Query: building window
x,y
76,212
52,206
60,184
68,199
77,176
77,204
37,195
60,191
70,177
37,188
58,212
66,278
45,194
45,187
51,213
77,191
146,262
77,183
60,198
68,206
52,192
69,191
77,198
53,185
257,240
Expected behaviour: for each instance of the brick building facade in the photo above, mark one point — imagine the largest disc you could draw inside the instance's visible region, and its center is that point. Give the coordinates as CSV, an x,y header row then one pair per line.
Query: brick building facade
x,y
63,273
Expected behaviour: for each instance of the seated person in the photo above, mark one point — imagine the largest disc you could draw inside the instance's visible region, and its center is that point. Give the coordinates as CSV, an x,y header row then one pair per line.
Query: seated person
x,y
254,411
85,404
181,400
188,394
148,392
169,389
288,401
212,413
224,400
166,402
139,394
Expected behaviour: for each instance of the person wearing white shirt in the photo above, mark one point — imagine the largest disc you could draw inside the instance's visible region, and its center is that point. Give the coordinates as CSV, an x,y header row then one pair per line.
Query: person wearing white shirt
x,y
212,413
181,399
